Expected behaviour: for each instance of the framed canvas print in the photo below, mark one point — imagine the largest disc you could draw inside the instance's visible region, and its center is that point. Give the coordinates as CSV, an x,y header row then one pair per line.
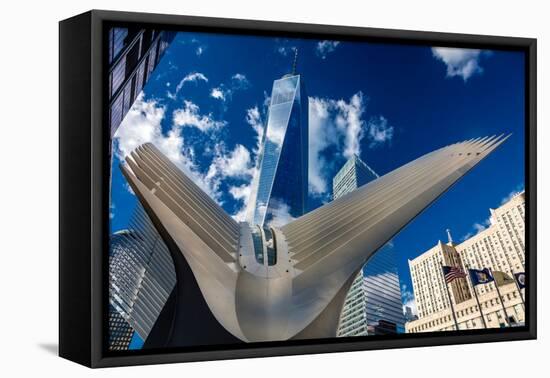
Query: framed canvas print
x,y
233,188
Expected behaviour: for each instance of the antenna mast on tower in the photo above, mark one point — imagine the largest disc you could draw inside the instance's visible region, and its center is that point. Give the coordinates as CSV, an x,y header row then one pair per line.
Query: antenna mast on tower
x,y
295,61
449,237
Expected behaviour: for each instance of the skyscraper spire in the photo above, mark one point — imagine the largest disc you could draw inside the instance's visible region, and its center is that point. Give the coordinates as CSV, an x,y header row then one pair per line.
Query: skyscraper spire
x,y
450,242
295,61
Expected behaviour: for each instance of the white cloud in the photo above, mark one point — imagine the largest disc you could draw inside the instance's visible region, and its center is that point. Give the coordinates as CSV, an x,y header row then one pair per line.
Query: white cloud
x,y
200,47
280,213
142,125
241,192
129,189
192,77
240,78
460,62
241,214
217,93
225,91
189,116
285,50
112,208
236,163
253,118
322,134
267,101
349,120
519,188
331,121
407,298
339,125
476,228
379,131
324,48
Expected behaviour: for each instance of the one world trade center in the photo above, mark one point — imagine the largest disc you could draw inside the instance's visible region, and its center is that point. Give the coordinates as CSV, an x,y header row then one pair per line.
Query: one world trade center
x,y
281,184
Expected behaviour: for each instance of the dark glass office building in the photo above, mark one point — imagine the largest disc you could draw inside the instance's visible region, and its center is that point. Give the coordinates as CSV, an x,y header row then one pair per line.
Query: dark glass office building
x,y
281,189
133,55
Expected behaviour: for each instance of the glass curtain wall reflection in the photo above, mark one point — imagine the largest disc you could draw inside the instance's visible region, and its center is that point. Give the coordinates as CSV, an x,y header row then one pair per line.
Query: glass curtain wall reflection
x,y
373,304
133,55
281,189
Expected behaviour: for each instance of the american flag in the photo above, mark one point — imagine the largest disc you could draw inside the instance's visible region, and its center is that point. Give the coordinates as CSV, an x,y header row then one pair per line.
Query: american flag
x,y
452,272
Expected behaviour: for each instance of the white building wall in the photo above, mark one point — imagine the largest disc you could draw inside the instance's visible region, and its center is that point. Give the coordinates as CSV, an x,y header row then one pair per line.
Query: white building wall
x,y
501,246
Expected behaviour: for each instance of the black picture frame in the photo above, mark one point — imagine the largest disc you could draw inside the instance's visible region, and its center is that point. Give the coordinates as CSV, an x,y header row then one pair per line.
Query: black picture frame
x,y
84,187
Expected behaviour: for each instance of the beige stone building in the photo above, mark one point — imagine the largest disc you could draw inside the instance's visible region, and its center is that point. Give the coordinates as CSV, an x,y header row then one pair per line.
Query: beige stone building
x,y
428,282
501,247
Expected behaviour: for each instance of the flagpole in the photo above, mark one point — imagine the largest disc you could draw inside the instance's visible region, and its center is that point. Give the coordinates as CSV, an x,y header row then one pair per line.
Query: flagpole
x,y
449,295
477,299
517,287
500,297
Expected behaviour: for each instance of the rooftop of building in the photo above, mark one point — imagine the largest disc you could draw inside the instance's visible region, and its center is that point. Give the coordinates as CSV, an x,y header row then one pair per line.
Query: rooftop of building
x,y
354,161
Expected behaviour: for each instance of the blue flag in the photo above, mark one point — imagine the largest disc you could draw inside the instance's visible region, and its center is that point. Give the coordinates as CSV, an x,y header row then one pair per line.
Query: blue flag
x,y
520,278
480,277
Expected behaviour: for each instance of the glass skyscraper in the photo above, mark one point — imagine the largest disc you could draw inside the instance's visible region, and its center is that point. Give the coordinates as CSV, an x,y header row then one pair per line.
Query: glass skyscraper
x,y
382,292
351,176
133,55
281,188
141,277
373,304
120,331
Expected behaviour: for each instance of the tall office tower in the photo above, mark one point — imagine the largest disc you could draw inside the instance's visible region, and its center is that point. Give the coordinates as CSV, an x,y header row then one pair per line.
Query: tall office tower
x,y
429,289
141,273
499,247
281,188
375,294
351,176
353,319
120,332
133,55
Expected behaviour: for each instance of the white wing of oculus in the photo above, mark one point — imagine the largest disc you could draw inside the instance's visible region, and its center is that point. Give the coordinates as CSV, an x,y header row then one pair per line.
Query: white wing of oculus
x,y
300,292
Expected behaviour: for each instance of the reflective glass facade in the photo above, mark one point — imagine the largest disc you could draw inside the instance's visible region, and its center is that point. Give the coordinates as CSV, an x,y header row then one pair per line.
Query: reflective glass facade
x,y
281,189
373,304
120,332
353,319
382,291
264,245
353,174
141,275
133,55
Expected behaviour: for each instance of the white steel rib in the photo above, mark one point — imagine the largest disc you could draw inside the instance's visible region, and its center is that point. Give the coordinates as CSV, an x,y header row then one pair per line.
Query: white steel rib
x,y
317,255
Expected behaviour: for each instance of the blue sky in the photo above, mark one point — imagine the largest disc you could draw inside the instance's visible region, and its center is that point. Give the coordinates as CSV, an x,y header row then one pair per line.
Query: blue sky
x,y
205,107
